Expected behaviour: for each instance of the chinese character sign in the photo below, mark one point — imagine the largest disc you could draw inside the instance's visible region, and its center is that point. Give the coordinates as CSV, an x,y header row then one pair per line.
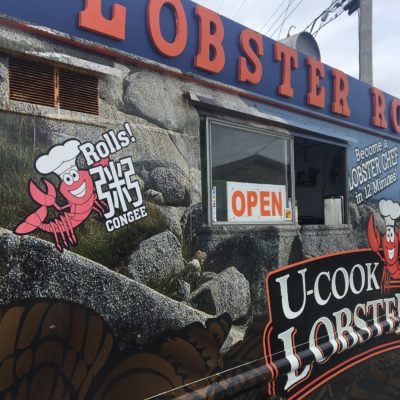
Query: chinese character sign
x,y
116,185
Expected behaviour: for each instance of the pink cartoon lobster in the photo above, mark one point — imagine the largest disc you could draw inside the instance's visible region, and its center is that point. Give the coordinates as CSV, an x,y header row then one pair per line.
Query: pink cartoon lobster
x,y
77,188
390,241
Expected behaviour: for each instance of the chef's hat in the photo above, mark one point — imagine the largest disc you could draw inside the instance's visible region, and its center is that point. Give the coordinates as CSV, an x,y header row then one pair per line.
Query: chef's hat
x,y
390,211
59,159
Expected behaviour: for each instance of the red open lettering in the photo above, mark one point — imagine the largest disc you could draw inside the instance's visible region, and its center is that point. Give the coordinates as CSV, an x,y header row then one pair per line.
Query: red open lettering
x,y
265,209
238,210
251,202
254,202
277,207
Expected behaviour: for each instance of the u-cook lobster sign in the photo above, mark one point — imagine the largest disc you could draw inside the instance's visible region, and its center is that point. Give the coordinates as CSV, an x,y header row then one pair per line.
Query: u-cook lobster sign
x,y
341,308
108,188
202,44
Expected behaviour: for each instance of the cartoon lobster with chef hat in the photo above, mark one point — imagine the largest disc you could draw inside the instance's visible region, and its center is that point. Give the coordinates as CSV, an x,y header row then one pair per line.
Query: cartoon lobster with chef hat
x,y
77,188
390,211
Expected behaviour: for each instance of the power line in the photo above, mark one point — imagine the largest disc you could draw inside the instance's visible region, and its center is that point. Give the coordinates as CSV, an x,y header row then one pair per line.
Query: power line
x,y
328,22
334,5
312,23
276,21
294,9
284,18
220,6
238,10
269,19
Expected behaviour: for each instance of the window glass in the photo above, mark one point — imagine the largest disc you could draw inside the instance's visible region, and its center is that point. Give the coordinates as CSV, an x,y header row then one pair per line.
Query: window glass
x,y
250,175
320,182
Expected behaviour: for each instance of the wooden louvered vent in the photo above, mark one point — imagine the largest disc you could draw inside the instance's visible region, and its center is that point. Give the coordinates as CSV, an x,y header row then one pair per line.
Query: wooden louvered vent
x,y
78,92
31,82
48,85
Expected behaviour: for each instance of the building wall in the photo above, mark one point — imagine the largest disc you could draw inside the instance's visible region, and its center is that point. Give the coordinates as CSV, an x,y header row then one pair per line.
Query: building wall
x,y
169,146
141,282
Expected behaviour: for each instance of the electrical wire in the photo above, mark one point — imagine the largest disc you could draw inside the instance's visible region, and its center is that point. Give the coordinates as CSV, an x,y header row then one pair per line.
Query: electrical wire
x,y
312,23
284,18
370,322
272,15
294,9
276,21
320,15
328,22
240,7
334,4
220,6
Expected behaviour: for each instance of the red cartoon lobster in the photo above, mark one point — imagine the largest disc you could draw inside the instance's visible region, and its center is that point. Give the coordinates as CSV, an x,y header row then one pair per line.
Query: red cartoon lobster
x,y
390,241
76,187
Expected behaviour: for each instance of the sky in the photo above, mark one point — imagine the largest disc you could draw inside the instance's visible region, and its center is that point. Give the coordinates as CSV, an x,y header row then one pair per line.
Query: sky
x,y
338,40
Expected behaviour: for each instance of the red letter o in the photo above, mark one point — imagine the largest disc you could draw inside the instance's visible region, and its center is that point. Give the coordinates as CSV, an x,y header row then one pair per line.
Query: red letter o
x,y
169,49
236,210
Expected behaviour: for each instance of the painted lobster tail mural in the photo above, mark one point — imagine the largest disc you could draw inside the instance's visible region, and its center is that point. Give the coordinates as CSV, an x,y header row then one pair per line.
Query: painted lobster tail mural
x,y
51,350
61,350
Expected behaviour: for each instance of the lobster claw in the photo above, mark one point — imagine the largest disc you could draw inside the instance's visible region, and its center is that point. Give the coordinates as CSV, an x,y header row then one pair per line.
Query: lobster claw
x,y
44,199
373,235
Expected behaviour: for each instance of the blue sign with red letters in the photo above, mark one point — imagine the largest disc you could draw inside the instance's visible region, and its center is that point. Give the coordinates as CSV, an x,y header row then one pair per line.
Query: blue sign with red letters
x,y
202,44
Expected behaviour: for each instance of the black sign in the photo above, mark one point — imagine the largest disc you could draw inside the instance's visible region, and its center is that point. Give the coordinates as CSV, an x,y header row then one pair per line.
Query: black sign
x,y
326,315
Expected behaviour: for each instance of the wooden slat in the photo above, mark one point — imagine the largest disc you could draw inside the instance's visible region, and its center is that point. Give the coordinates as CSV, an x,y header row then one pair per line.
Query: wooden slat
x,y
57,85
31,82
39,83
32,86
79,92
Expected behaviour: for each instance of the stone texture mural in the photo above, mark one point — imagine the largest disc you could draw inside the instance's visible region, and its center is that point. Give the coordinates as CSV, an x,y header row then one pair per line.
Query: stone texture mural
x,y
78,324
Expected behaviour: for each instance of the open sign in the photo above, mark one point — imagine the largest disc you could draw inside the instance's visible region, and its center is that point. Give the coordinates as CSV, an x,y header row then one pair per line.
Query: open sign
x,y
255,202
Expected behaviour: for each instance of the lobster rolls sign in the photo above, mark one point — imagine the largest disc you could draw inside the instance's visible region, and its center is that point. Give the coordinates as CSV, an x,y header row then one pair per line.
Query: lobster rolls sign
x,y
326,315
108,188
